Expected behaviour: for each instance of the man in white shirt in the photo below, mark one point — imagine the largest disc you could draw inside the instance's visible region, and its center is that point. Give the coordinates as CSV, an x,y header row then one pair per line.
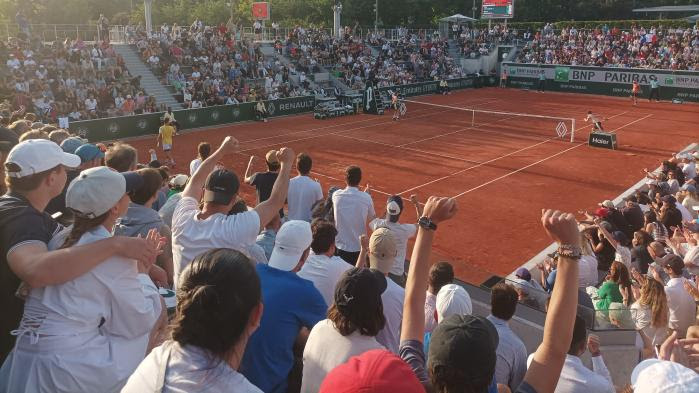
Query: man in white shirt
x,y
575,377
322,267
681,305
195,231
382,253
401,232
511,364
304,192
352,210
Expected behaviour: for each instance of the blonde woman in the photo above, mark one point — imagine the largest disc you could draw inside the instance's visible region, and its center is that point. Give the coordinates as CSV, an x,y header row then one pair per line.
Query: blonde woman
x,y
650,311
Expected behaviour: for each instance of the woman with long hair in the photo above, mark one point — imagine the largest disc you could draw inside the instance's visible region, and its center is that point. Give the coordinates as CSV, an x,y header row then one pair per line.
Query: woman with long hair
x,y
616,289
650,311
654,227
219,306
90,333
640,257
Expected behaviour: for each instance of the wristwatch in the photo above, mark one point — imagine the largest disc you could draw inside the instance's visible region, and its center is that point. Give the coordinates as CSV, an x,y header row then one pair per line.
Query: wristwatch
x,y
569,251
426,222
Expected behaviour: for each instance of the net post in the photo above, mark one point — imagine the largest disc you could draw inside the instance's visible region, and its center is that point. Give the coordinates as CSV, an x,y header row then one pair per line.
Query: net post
x,y
473,118
572,131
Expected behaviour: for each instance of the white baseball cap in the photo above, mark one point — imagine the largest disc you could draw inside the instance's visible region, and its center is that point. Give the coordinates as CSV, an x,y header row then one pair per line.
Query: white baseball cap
x,y
96,190
38,155
608,204
393,208
179,180
453,299
293,239
662,376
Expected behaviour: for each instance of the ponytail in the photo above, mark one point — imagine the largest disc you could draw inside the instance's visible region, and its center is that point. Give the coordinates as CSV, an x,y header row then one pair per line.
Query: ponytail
x,y
80,226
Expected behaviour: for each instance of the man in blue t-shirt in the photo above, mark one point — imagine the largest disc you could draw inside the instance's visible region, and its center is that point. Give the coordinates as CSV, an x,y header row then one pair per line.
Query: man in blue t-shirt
x,y
291,303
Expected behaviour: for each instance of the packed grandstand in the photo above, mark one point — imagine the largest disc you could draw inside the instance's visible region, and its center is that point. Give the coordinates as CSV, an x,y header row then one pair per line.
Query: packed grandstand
x,y
131,273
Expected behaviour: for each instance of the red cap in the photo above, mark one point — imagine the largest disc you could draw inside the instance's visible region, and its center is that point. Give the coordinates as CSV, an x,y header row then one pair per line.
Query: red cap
x,y
602,212
377,371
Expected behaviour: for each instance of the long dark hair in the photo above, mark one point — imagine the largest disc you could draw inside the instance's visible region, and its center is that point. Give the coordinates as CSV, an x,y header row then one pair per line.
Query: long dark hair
x,y
80,226
216,294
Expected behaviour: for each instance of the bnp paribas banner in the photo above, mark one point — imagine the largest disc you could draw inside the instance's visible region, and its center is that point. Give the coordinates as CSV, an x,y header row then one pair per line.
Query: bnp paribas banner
x,y
609,81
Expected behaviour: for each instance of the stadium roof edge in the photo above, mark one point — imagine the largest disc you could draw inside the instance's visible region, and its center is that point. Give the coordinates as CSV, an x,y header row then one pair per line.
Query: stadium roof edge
x,y
671,8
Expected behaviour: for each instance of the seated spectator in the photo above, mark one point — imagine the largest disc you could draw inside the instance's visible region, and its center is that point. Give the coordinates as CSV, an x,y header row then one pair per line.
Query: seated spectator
x,y
511,364
304,192
219,307
322,267
261,111
401,233
382,253
354,319
616,289
117,292
292,307
268,235
681,305
140,218
441,274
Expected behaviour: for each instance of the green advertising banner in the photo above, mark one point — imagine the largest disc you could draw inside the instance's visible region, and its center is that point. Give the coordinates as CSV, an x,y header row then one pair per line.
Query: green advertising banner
x,y
682,85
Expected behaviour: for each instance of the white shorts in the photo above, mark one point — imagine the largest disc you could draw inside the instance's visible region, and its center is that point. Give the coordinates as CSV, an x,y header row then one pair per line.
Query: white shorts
x,y
167,147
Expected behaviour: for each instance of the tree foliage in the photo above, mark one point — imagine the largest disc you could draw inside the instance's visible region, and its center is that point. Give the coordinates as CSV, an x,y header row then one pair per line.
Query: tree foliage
x,y
411,13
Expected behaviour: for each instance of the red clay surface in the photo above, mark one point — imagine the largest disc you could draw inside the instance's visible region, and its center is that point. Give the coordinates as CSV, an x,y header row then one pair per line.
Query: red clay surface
x,y
503,171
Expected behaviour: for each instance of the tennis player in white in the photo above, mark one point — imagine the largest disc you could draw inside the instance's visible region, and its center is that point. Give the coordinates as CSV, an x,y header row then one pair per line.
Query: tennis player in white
x,y
88,334
596,121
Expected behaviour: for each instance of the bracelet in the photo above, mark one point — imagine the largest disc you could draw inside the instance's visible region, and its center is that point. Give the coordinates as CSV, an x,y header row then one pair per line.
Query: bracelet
x,y
569,251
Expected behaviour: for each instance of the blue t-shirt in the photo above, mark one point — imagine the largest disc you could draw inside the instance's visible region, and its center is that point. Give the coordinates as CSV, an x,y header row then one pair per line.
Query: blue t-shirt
x,y
290,303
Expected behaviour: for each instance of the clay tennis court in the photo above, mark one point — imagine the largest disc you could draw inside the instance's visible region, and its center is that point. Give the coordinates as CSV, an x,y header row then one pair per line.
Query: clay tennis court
x,y
502,169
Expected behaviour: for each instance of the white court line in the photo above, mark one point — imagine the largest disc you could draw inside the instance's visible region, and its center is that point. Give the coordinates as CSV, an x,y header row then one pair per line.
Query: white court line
x,y
540,161
475,102
489,161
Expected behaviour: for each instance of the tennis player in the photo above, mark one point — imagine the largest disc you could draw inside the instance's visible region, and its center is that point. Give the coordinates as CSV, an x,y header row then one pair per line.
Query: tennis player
x,y
635,90
394,104
165,135
596,121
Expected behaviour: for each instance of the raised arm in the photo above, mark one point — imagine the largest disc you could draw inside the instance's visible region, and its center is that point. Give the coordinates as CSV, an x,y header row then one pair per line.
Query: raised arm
x,y
363,251
548,360
413,326
247,178
416,203
196,183
606,234
267,209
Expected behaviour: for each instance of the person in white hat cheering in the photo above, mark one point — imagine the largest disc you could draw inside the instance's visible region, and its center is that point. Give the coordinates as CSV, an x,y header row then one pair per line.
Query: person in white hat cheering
x,y
35,173
96,327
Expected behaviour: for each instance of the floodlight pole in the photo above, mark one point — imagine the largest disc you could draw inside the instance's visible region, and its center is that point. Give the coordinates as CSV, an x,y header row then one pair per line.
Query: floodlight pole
x,y
147,5
376,15
473,10
337,19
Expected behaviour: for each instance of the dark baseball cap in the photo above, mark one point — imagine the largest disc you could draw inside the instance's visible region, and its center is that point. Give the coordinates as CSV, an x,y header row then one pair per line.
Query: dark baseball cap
x,y
466,343
359,287
669,199
221,186
672,261
8,139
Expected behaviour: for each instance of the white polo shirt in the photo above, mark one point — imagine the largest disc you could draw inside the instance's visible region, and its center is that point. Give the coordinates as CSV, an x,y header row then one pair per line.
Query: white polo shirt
x,y
324,272
401,233
352,208
192,236
303,193
392,298
682,308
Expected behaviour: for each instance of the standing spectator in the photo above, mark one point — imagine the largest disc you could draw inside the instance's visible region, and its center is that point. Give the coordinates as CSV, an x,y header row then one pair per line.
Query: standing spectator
x,y
382,253
354,319
401,233
575,377
681,305
352,210
322,267
35,173
511,365
203,152
263,181
58,334
632,213
654,90
219,307
304,192
441,274
541,86
292,306
195,231
619,241
140,218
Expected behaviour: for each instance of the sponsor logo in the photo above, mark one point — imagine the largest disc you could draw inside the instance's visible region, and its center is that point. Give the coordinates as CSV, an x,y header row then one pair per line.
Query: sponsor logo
x,y
271,108
562,74
142,124
600,141
215,115
192,117
113,128
236,112
561,129
294,105
669,81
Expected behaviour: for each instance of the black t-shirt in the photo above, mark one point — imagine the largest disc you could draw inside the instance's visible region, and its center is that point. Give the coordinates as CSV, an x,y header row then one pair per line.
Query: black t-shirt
x,y
263,182
19,223
634,217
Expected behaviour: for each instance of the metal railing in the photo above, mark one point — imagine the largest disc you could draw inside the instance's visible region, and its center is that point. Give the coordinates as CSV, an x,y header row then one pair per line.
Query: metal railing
x,y
61,32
